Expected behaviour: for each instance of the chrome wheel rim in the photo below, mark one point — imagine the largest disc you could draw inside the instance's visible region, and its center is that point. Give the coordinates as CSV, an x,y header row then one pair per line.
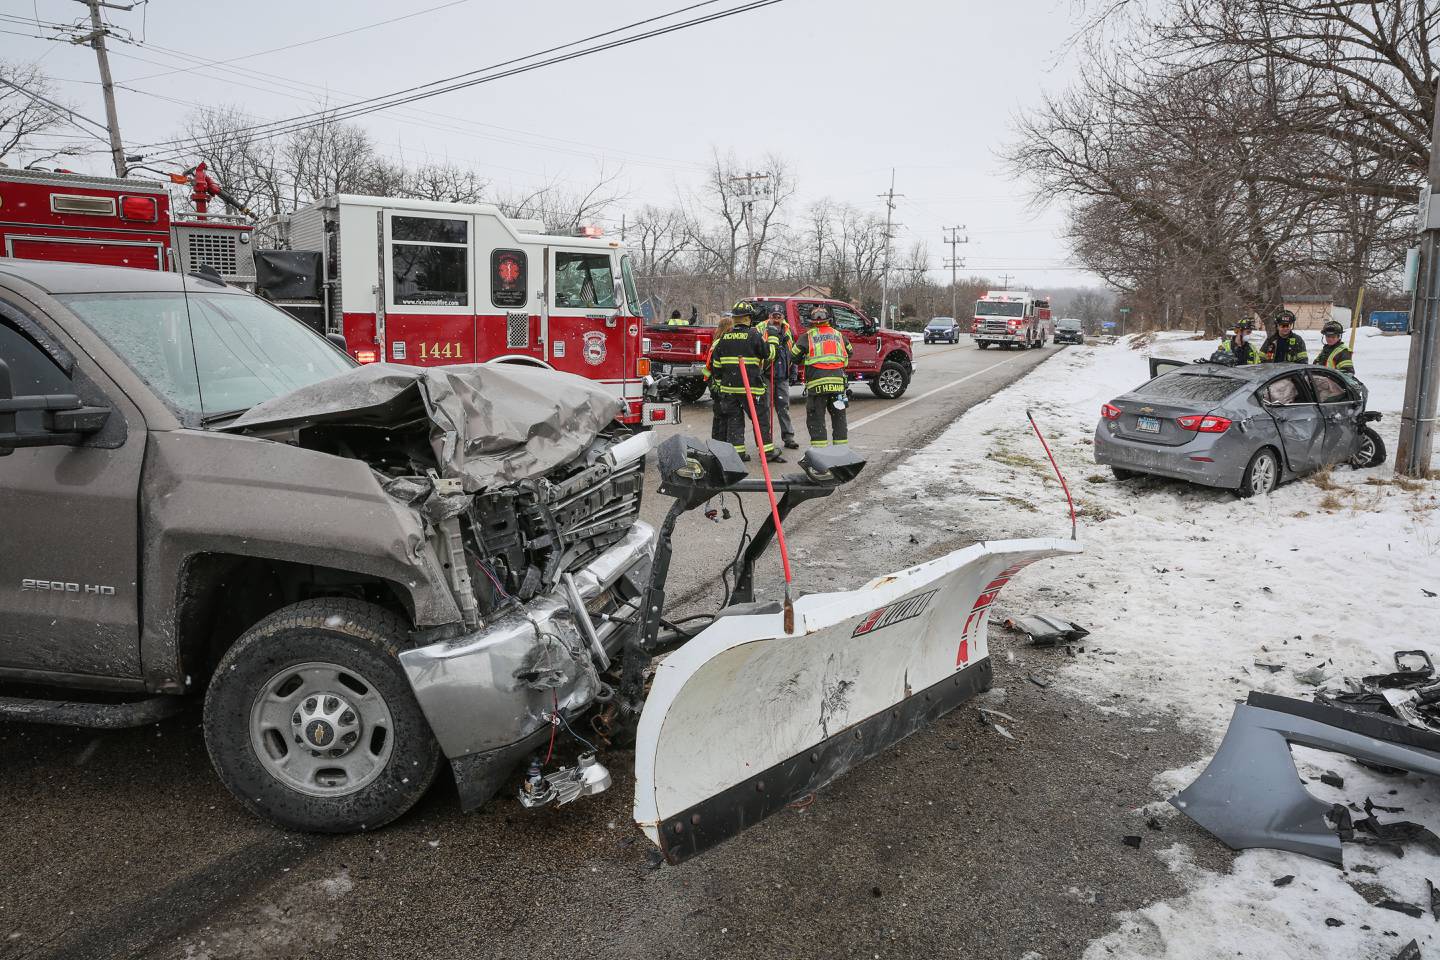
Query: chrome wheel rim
x,y
1262,475
1366,452
321,729
890,381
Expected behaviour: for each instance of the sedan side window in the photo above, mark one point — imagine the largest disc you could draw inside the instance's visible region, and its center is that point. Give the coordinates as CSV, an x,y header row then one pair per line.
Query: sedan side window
x,y
1328,389
1286,390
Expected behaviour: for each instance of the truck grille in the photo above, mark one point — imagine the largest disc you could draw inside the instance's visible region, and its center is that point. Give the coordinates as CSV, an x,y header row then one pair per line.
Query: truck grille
x,y
995,326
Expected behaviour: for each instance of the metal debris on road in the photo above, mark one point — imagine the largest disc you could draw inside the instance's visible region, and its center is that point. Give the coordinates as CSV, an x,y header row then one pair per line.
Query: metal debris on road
x,y
1047,631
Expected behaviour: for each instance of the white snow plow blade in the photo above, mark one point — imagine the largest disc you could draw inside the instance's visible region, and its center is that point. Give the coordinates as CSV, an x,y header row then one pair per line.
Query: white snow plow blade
x,y
744,718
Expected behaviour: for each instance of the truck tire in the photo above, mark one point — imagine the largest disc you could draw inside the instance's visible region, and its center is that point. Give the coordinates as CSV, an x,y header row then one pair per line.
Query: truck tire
x,y
891,381
1370,451
1262,473
321,671
981,344
692,389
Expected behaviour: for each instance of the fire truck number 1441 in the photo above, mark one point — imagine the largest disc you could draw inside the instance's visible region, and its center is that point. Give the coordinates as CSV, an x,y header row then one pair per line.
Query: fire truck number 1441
x,y
450,350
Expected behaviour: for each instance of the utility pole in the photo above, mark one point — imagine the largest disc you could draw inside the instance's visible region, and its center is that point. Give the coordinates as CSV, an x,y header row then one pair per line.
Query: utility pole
x,y
889,197
756,187
954,264
96,39
1004,281
1417,416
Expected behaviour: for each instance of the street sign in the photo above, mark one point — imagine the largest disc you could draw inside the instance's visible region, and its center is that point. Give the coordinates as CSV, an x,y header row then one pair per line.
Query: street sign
x,y
1109,324
1124,310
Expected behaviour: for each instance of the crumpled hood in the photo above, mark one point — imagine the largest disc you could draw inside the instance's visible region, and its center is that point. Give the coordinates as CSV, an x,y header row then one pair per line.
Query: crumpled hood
x,y
489,424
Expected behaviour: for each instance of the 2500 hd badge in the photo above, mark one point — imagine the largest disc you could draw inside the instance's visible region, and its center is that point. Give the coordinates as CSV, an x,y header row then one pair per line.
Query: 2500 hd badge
x,y
67,586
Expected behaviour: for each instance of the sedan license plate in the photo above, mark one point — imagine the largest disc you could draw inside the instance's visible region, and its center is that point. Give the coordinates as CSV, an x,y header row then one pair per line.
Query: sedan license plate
x,y
1147,424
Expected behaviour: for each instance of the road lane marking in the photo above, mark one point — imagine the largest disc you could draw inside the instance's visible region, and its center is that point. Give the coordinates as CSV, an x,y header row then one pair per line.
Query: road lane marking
x,y
929,393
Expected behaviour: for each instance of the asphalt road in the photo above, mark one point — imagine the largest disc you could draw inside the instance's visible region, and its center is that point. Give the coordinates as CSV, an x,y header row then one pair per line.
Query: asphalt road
x,y
958,843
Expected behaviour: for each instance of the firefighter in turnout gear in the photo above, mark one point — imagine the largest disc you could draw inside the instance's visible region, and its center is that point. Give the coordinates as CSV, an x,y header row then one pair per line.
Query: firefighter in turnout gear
x,y
746,344
782,342
825,354
676,320
1238,347
1335,354
1285,345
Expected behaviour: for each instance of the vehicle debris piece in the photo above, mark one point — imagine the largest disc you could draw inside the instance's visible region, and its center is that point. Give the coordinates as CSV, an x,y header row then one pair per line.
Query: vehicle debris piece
x,y
1410,693
1250,795
1047,631
1272,667
1400,906
1434,898
1411,951
1284,881
1131,840
1332,780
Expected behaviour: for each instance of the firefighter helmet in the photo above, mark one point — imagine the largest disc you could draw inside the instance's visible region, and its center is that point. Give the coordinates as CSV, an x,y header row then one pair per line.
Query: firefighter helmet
x,y
1332,327
1244,325
1285,317
747,308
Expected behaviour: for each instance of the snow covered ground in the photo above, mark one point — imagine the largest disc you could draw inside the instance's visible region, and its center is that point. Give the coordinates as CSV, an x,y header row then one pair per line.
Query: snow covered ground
x,y
1185,589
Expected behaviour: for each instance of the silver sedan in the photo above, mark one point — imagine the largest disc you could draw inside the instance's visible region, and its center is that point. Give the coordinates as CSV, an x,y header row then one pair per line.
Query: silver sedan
x,y
1246,429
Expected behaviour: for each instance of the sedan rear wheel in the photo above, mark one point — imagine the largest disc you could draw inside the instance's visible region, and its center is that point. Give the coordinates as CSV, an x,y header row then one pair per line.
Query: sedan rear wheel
x,y
1122,474
1262,474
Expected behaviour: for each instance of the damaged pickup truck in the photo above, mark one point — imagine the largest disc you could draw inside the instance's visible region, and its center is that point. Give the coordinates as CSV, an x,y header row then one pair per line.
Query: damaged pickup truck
x,y
365,569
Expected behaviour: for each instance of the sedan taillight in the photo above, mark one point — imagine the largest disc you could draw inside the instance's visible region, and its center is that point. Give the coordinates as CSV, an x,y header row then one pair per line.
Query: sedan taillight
x,y
1110,411
1204,423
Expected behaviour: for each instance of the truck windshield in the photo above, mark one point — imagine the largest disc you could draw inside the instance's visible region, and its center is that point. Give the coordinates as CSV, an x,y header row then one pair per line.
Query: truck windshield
x,y
225,353
1000,308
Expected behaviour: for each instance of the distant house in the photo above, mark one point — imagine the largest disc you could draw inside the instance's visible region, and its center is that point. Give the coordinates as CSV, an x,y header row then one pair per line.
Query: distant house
x,y
1312,311
808,290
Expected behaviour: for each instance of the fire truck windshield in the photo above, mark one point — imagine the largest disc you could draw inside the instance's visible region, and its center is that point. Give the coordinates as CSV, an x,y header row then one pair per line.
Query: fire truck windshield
x,y
243,351
999,308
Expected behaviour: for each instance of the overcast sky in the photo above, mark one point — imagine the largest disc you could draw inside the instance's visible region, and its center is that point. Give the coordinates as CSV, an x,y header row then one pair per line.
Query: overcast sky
x,y
843,89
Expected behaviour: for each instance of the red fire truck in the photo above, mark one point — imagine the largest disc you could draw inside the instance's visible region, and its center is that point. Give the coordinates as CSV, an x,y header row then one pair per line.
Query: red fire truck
x,y
1012,318
76,218
426,283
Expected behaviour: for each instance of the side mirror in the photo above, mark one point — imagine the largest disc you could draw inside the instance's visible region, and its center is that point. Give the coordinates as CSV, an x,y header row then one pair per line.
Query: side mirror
x,y
338,339
65,420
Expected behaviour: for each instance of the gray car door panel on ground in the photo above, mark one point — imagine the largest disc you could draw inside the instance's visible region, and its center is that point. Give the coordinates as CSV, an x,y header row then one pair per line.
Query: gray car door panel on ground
x,y
1299,421
68,574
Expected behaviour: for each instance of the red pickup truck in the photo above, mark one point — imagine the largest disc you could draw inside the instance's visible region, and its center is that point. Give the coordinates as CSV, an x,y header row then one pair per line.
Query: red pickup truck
x,y
882,358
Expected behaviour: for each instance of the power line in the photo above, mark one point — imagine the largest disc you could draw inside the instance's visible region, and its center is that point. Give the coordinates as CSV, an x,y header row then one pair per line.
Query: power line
x,y
410,95
301,43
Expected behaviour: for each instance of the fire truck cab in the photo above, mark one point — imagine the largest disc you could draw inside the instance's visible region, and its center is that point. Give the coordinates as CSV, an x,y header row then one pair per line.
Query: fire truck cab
x,y
77,218
429,283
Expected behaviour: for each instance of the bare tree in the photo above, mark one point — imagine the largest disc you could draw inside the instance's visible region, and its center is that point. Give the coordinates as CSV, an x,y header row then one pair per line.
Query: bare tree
x,y
28,109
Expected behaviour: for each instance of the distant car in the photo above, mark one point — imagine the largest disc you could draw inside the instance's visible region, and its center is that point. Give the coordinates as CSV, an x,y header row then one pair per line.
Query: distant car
x,y
942,328
1246,428
1069,330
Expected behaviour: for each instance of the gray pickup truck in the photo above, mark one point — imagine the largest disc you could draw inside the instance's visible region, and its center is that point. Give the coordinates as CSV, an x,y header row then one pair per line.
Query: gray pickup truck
x,y
359,568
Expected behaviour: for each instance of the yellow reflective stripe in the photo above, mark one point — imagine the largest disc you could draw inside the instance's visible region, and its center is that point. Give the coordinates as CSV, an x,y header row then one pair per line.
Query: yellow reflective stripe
x,y
819,443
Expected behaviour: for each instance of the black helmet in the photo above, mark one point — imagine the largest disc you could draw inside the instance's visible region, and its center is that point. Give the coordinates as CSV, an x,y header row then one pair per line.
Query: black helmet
x,y
747,308
1244,325
1285,316
1332,326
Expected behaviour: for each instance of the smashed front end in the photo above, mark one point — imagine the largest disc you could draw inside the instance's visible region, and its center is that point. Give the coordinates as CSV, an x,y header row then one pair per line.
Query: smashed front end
x,y
529,494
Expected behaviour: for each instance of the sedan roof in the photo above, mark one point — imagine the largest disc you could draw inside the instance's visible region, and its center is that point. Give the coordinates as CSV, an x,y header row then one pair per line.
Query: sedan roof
x,y
63,278
1250,373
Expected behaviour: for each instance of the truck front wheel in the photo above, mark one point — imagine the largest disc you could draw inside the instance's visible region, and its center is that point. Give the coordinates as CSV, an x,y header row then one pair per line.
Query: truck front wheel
x,y
982,344
311,724
891,381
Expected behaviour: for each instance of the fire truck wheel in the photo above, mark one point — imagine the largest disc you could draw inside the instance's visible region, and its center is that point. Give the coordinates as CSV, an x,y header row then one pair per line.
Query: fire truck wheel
x,y
982,344
311,722
691,389
891,381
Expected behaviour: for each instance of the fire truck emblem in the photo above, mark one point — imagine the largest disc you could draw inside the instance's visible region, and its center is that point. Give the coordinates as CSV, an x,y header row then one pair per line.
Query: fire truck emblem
x,y
509,270
593,348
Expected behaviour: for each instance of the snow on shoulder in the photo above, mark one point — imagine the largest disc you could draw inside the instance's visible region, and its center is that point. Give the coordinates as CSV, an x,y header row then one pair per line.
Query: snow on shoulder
x,y
1200,597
